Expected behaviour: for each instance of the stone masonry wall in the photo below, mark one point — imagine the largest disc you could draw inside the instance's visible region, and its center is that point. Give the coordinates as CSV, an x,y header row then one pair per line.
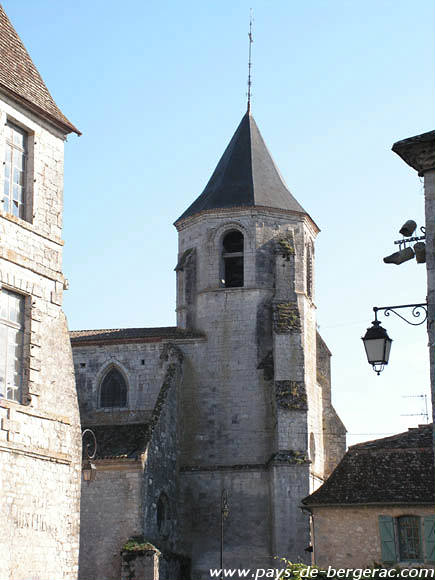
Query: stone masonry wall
x,y
334,432
140,365
123,500
232,428
40,442
111,512
348,537
161,480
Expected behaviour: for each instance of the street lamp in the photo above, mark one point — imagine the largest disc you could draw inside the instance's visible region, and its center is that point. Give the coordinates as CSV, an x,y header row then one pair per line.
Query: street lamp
x,y
88,468
376,341
378,345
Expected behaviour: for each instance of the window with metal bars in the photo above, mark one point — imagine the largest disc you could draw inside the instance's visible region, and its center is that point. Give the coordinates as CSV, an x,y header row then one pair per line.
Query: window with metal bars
x,y
11,344
113,390
409,538
14,183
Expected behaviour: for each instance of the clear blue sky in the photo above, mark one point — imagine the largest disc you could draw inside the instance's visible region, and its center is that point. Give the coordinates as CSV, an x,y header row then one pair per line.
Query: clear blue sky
x,y
158,88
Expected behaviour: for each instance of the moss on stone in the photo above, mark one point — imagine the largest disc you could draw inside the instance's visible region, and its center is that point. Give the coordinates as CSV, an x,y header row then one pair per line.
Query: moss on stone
x,y
291,395
286,318
138,544
285,248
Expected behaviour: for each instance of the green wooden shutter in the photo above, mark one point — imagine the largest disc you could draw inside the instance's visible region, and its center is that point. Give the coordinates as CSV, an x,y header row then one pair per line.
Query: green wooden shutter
x,y
388,543
429,538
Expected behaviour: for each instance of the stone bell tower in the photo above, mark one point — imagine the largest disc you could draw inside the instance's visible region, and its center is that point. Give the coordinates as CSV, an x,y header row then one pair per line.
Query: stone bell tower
x,y
254,412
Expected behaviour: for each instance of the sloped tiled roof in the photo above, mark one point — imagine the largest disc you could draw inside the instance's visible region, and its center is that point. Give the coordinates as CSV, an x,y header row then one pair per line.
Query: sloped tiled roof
x,y
245,176
125,441
393,470
20,79
131,335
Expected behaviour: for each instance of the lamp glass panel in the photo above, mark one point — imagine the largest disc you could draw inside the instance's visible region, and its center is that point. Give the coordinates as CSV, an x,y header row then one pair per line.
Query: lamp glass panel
x,y
388,342
375,349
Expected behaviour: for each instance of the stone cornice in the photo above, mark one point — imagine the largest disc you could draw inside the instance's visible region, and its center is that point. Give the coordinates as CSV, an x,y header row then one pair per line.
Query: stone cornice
x,y
418,152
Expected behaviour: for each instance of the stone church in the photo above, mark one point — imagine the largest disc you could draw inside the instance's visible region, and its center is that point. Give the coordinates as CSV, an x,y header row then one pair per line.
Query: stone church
x,y
232,406
209,432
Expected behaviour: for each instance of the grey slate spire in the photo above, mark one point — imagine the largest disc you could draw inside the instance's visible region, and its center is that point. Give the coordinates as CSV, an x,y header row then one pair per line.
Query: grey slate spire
x,y
245,176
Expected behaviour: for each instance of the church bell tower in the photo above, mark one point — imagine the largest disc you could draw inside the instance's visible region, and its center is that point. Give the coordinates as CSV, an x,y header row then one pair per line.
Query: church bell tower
x,y
253,411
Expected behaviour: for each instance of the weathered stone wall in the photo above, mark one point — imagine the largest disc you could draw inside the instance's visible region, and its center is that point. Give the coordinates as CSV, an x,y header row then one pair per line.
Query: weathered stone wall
x,y
334,432
348,537
250,396
40,443
123,500
111,512
140,365
161,481
248,528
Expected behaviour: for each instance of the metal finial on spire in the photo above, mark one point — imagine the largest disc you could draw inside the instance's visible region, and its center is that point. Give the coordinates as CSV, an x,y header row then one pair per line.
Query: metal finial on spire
x,y
251,40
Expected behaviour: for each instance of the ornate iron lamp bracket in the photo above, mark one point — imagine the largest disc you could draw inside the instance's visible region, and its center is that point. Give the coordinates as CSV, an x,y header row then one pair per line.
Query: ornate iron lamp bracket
x,y
417,311
91,443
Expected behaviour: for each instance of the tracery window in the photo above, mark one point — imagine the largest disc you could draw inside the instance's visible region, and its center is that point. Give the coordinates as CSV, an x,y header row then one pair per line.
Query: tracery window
x,y
233,263
113,390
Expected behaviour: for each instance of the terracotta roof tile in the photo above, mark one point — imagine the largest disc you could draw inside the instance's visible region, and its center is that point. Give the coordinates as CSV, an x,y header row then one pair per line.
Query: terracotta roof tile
x,y
20,79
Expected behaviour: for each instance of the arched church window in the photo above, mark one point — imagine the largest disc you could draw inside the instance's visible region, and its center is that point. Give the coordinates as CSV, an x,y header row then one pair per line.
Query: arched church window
x,y
113,390
232,254
163,515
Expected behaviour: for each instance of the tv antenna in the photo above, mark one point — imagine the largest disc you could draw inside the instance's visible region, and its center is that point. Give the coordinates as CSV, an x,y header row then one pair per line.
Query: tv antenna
x,y
424,413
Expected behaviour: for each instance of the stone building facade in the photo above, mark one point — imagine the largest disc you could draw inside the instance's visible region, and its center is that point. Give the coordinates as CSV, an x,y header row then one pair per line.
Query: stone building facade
x,y
419,153
235,399
377,506
40,441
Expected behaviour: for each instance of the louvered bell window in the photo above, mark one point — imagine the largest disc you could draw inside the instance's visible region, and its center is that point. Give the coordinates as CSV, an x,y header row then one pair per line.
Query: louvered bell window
x,y
233,259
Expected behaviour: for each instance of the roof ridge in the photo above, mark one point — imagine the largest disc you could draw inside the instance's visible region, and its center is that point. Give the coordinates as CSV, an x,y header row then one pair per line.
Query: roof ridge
x,y
21,80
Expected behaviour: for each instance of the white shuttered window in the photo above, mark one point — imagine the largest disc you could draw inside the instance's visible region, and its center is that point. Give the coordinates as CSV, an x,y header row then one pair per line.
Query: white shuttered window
x,y
11,344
